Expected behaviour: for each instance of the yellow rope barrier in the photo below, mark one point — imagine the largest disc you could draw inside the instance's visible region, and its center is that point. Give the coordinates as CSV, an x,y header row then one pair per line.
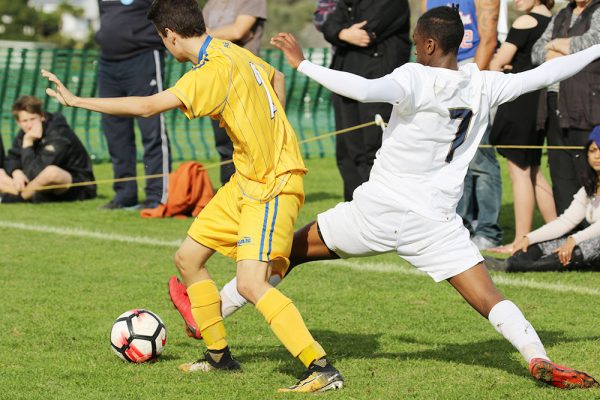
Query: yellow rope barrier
x,y
378,121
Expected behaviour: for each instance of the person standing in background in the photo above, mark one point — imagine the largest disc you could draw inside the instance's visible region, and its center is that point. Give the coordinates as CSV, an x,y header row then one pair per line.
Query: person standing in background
x,y
241,22
132,64
479,206
322,12
515,122
371,39
568,118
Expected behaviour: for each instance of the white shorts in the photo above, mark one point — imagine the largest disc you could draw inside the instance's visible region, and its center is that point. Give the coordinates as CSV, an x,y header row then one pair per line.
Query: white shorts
x,y
442,249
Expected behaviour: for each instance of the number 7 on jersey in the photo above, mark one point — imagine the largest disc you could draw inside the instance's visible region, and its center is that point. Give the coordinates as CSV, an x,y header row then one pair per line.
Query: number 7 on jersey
x,y
464,114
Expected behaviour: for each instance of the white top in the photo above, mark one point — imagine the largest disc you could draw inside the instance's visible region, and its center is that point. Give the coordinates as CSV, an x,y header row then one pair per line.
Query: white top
x,y
582,207
438,119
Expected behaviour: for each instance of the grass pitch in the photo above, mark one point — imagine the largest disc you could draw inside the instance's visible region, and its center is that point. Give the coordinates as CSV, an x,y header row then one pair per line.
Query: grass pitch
x,y
68,270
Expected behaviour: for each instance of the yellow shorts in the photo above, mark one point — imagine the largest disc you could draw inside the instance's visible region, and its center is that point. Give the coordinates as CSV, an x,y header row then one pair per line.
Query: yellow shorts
x,y
246,229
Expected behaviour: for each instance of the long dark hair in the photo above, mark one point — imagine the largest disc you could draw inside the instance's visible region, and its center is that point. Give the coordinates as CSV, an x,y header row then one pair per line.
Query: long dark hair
x,y
589,177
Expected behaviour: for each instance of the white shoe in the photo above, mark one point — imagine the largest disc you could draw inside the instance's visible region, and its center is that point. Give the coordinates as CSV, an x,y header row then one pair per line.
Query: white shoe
x,y
483,243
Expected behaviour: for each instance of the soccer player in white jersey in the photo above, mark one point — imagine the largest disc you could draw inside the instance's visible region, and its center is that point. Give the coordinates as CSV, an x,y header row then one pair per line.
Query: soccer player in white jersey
x,y
408,206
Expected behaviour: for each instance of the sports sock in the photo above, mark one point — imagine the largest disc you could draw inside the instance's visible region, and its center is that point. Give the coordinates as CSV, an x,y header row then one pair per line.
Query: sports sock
x,y
206,309
511,323
286,322
232,300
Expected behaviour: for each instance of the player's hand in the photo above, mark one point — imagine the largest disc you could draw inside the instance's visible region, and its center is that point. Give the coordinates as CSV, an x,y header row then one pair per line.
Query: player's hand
x,y
565,251
521,245
287,43
356,35
19,180
60,93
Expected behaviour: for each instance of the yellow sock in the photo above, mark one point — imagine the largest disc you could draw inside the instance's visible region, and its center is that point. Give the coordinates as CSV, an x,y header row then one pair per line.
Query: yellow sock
x,y
287,324
206,309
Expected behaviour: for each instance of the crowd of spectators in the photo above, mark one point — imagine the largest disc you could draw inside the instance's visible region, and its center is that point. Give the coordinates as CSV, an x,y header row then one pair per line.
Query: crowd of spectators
x,y
370,39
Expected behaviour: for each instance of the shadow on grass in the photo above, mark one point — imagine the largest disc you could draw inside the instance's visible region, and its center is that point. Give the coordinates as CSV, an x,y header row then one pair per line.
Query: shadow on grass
x,y
494,353
319,196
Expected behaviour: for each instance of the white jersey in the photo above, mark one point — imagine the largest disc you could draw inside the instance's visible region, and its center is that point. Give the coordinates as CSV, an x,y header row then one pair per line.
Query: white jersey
x,y
437,123
433,133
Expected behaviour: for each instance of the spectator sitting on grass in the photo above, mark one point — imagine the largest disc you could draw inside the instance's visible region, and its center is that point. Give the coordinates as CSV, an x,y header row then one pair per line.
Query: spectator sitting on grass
x,y
6,182
560,245
45,152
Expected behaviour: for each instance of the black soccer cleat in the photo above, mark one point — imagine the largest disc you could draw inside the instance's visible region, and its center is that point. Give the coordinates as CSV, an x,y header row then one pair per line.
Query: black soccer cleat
x,y
221,360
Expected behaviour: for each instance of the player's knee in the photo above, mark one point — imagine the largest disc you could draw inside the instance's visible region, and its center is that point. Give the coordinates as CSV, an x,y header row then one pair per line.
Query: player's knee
x,y
182,262
247,290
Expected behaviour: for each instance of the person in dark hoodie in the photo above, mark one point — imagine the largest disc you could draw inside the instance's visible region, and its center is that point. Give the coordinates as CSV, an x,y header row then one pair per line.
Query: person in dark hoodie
x,y
46,152
131,63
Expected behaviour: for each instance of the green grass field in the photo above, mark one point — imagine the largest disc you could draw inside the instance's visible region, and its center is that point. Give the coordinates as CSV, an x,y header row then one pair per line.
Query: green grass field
x,y
68,270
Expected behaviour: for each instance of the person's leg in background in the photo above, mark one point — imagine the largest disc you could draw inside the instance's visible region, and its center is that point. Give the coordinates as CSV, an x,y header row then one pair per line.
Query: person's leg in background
x,y
224,147
543,194
371,136
466,205
348,145
120,136
560,161
148,80
488,196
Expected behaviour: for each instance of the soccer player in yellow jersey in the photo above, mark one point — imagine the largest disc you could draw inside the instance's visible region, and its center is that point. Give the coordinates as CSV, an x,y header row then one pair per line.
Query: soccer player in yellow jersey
x,y
250,219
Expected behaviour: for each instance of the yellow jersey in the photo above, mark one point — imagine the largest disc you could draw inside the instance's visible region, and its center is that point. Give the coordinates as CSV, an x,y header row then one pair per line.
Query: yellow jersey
x,y
232,85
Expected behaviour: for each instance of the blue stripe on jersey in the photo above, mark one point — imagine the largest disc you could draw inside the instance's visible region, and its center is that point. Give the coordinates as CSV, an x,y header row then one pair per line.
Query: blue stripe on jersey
x,y
272,228
202,53
264,231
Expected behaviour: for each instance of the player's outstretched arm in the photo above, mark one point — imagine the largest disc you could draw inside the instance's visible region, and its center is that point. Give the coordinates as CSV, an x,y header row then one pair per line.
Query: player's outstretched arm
x,y
343,83
558,69
122,106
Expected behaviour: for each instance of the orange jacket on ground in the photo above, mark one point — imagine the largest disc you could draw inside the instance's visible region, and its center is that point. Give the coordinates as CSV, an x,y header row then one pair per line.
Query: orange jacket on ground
x,y
190,190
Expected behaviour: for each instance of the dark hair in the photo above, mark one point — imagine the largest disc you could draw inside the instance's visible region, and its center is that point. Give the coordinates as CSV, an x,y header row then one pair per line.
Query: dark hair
x,y
589,177
31,104
444,25
181,16
548,3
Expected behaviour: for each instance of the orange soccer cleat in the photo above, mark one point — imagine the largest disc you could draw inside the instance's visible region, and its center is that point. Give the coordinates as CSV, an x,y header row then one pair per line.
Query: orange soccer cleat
x,y
560,376
181,301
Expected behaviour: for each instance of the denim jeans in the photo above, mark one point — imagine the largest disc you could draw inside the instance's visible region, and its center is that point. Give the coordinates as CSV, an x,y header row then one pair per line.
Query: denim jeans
x,y
482,195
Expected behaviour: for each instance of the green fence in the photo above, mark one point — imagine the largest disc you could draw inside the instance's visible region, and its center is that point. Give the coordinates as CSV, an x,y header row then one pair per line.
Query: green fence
x,y
308,104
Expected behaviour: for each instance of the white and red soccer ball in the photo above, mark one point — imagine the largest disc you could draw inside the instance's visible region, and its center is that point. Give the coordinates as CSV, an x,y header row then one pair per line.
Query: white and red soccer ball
x,y
138,336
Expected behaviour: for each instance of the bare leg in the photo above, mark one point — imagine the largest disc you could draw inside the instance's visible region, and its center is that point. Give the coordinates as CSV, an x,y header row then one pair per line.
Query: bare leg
x,y
308,246
543,195
51,175
190,261
6,183
477,288
524,198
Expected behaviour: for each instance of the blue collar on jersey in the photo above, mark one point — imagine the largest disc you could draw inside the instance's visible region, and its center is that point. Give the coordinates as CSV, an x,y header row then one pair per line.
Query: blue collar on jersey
x,y
202,56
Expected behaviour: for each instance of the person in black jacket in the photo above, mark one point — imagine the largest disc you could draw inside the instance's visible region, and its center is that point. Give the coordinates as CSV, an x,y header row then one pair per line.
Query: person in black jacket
x,y
6,182
371,40
131,63
46,152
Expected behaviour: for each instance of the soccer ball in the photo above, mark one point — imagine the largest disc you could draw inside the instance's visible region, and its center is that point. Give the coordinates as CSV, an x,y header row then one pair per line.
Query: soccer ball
x,y
138,336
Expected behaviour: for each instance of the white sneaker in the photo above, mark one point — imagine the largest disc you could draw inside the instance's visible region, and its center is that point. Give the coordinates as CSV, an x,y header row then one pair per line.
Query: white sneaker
x,y
483,243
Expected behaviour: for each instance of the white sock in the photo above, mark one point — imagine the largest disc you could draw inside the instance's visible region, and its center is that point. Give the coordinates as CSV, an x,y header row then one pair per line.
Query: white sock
x,y
232,300
510,322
